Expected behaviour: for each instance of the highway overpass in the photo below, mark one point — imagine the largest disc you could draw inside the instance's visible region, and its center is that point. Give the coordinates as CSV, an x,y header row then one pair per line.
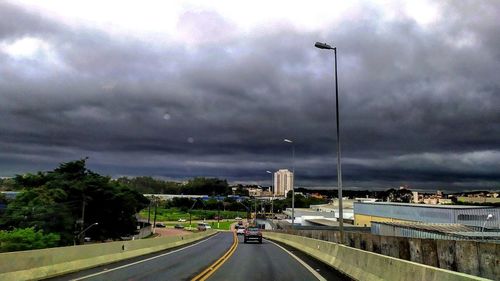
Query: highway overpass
x,y
252,261
214,255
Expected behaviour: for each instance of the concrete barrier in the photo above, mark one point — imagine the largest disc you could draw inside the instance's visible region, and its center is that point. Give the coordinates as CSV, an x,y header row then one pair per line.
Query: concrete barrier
x,y
44,263
364,265
471,257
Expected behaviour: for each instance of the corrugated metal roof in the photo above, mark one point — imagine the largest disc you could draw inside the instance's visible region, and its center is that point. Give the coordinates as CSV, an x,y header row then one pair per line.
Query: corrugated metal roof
x,y
479,234
427,205
439,227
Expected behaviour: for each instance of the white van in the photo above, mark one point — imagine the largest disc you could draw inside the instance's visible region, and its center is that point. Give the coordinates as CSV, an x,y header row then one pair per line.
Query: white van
x,y
203,226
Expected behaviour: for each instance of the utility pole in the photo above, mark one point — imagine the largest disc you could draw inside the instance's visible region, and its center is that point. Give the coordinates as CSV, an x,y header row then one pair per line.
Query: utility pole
x,y
149,212
156,205
83,220
218,214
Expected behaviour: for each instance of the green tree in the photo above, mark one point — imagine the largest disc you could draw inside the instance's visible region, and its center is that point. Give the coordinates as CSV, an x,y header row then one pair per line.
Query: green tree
x,y
3,198
7,184
149,185
54,202
26,239
208,186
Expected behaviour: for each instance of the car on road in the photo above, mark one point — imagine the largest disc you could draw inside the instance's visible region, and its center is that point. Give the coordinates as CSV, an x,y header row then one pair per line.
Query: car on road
x,y
179,226
252,233
240,230
203,226
237,218
160,224
182,220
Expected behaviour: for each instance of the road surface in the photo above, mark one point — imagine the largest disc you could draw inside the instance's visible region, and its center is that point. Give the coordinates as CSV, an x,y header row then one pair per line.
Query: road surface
x,y
252,261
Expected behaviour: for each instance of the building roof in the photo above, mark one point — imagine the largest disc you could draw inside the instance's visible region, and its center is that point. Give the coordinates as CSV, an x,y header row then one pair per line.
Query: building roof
x,y
427,205
435,227
442,230
478,234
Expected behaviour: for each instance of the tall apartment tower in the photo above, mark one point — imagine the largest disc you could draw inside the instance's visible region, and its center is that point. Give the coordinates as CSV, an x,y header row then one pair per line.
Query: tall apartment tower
x,y
283,182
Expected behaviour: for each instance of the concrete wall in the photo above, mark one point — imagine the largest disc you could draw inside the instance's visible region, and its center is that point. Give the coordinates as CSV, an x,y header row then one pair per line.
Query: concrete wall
x,y
37,264
364,265
471,257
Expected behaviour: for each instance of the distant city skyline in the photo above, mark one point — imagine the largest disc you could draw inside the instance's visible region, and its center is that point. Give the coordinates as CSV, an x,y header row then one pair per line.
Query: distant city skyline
x,y
184,89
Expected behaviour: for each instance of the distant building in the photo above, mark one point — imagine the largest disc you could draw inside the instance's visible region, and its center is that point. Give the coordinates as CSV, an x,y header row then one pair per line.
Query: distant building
x,y
283,182
415,198
367,212
254,191
317,196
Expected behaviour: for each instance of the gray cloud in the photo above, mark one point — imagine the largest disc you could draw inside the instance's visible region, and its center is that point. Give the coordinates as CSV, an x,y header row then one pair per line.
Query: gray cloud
x,y
419,105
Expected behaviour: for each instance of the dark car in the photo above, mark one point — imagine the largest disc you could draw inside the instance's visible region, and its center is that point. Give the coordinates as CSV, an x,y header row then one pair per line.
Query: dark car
x,y
179,226
159,224
252,233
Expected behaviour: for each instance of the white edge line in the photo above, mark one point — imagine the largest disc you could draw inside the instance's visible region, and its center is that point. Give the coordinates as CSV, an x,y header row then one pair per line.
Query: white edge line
x,y
316,274
141,261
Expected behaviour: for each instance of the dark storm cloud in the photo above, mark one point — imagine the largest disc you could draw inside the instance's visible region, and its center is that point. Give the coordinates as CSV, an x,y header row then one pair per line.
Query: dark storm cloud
x,y
419,105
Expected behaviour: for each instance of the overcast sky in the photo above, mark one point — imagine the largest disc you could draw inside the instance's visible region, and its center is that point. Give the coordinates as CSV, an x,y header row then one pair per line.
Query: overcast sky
x,y
177,89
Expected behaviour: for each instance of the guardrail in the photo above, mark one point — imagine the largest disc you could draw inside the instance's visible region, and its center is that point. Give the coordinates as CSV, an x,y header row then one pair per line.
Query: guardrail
x,y
364,265
45,263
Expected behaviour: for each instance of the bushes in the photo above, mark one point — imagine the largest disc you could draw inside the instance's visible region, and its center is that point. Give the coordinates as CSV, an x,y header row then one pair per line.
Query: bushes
x,y
26,239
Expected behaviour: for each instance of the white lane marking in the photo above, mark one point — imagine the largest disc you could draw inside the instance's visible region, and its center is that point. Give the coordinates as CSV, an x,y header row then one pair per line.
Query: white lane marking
x,y
141,261
316,274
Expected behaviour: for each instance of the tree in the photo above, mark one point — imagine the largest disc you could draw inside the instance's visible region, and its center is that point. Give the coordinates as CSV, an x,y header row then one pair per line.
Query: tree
x,y
398,195
208,186
7,184
55,201
26,239
149,185
3,198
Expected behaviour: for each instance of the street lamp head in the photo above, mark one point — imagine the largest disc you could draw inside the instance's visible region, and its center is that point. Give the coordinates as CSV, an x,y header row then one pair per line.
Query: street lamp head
x,y
323,46
287,140
489,216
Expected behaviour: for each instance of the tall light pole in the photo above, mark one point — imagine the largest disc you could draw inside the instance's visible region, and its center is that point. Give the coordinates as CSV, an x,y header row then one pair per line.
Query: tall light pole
x,y
79,235
484,224
325,46
293,179
272,196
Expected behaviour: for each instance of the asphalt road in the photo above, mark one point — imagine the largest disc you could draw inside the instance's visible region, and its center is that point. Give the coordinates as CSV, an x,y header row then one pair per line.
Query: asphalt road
x,y
181,264
268,261
252,261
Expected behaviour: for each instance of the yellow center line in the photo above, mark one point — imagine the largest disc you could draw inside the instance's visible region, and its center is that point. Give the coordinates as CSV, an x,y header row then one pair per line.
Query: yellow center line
x,y
218,263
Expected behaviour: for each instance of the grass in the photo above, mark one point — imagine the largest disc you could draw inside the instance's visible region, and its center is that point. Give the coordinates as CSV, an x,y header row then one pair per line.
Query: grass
x,y
175,214
223,225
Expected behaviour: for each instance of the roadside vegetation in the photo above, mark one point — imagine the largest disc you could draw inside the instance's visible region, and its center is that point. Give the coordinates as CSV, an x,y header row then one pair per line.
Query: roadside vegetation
x,y
52,203
174,214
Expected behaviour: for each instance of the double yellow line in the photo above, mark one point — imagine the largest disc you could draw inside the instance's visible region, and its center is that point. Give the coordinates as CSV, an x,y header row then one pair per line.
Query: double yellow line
x,y
205,274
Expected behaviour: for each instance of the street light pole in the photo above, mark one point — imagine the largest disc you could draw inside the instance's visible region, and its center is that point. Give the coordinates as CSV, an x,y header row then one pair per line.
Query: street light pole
x,y
339,168
293,179
83,232
272,196
484,224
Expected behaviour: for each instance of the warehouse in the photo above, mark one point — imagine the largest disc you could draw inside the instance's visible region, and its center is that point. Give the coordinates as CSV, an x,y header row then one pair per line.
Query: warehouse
x,y
443,231
366,212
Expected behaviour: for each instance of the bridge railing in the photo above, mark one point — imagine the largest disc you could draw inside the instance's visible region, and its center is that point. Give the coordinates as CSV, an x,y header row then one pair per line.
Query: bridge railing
x,y
363,265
